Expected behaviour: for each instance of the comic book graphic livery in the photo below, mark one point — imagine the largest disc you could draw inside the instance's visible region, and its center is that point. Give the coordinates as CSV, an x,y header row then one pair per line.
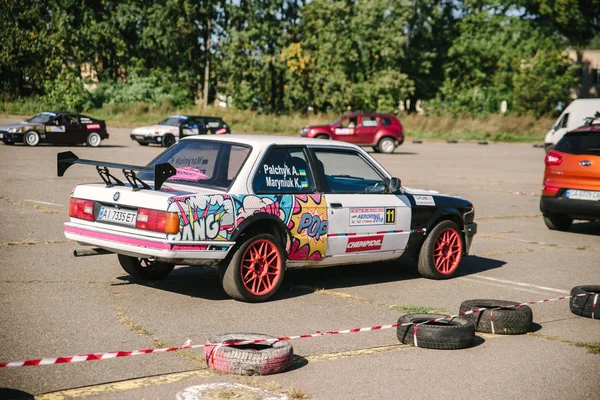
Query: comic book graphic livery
x,y
254,206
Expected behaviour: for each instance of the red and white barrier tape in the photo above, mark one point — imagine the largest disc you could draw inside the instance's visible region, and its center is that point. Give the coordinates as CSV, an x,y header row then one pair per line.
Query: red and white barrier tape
x,y
188,345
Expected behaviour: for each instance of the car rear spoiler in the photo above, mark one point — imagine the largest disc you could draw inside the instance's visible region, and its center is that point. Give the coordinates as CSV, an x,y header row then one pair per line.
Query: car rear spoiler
x,y
161,172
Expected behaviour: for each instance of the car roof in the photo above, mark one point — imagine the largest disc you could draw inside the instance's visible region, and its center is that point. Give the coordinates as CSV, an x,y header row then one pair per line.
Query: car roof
x,y
267,140
192,116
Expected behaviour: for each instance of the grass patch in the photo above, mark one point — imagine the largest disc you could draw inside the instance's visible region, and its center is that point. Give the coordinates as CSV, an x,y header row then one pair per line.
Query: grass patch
x,y
591,347
417,309
494,128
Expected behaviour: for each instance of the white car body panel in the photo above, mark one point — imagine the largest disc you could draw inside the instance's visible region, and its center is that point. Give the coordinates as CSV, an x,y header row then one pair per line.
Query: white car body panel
x,y
575,114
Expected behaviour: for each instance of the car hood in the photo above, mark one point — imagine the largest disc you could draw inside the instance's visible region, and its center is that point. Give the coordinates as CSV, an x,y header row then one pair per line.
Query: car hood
x,y
156,128
318,127
18,125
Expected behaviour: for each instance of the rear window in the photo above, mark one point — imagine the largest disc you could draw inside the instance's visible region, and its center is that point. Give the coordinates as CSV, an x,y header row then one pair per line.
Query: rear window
x,y
385,121
203,163
580,143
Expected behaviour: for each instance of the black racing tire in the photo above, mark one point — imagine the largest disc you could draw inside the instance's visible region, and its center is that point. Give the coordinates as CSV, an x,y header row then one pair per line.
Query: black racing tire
x,y
143,144
376,149
386,145
144,268
251,359
557,222
31,138
441,252
256,284
584,305
507,321
447,334
168,141
322,136
93,139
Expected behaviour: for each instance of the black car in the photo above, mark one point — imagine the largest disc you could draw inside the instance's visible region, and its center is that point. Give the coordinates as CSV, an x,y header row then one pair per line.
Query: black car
x,y
56,128
170,130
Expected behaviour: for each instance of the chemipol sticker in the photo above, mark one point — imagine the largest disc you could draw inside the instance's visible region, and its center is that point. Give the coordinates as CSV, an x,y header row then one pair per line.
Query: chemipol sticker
x,y
366,243
367,216
424,200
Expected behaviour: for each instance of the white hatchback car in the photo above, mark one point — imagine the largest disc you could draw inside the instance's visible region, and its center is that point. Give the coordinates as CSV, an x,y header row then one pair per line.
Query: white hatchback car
x,y
256,205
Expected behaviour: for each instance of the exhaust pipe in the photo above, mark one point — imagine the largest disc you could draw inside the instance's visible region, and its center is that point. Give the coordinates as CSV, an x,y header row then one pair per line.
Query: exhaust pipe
x,y
93,252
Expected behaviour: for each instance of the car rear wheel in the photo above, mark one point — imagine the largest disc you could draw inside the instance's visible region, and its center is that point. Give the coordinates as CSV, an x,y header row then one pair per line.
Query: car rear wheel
x,y
168,141
557,222
93,139
386,145
442,251
255,271
144,268
32,138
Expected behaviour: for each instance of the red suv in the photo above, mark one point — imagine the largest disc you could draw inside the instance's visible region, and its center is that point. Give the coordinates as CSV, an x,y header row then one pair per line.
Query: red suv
x,y
383,132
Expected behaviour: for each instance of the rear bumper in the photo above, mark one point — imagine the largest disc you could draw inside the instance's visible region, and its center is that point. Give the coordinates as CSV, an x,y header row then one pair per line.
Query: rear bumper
x,y
194,253
577,209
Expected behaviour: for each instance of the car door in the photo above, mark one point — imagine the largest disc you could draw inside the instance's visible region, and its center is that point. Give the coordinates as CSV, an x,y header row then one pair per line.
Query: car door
x,y
366,130
74,131
365,222
345,130
56,130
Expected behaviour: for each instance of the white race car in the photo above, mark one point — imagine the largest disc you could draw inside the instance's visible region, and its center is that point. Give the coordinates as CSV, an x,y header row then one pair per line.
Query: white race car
x,y
168,131
256,205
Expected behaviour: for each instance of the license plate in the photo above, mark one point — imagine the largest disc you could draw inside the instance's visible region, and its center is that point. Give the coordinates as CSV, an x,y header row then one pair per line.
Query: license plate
x,y
119,216
139,137
583,195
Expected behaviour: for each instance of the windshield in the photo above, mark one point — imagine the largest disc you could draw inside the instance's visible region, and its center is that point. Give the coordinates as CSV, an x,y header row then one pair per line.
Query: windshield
x,y
41,118
173,121
587,143
202,163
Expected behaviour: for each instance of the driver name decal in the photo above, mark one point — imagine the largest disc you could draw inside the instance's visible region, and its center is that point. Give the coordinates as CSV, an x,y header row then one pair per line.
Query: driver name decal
x,y
365,243
367,216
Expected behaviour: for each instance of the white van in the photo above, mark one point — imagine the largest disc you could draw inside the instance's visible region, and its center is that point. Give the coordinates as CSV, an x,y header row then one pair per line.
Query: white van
x,y
572,117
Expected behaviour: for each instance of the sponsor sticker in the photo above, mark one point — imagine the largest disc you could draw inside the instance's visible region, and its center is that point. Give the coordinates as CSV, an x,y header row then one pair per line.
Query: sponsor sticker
x,y
390,215
365,243
213,124
424,200
93,126
60,128
367,216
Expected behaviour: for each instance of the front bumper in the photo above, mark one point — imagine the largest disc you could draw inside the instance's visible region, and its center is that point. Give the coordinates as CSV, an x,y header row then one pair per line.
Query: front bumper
x,y
576,209
470,231
148,139
11,137
178,252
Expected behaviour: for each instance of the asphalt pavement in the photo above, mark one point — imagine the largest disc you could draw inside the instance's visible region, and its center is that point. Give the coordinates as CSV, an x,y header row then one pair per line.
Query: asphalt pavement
x,y
54,304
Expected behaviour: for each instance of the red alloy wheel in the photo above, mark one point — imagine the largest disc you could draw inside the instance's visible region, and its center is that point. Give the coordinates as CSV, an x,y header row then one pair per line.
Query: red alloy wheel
x,y
447,251
261,267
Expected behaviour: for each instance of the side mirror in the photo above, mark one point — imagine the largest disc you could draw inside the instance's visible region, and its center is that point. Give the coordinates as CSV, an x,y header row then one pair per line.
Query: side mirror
x,y
394,185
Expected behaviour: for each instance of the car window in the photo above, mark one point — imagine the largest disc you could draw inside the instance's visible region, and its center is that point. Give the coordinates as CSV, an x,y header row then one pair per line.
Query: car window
x,y
213,123
348,172
348,122
284,170
385,121
173,121
68,119
41,118
369,122
203,163
584,143
563,121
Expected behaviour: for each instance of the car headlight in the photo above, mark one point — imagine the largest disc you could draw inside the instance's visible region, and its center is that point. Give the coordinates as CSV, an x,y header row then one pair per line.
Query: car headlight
x,y
13,130
304,131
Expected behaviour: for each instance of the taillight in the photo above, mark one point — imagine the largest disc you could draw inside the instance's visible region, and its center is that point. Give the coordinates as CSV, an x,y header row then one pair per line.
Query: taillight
x,y
159,221
553,158
549,190
82,209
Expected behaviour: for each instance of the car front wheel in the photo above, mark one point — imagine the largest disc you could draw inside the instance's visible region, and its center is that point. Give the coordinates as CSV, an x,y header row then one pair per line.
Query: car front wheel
x,y
255,271
168,141
32,138
144,268
557,222
386,145
441,252
321,136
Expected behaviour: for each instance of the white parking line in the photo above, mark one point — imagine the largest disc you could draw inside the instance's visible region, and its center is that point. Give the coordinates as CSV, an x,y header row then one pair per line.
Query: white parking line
x,y
45,202
521,284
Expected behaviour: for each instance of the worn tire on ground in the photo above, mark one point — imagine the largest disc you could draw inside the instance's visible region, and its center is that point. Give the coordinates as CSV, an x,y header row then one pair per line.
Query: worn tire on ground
x,y
507,321
448,334
584,305
144,268
253,359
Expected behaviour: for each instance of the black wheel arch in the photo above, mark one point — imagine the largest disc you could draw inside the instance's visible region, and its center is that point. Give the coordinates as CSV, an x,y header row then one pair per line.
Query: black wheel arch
x,y
264,223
